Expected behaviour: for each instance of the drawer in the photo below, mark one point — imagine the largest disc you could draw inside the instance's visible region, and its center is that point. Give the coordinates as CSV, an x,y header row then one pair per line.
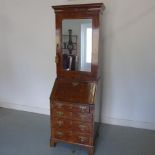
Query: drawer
x,y
62,123
72,107
72,136
62,135
82,127
74,125
82,139
85,117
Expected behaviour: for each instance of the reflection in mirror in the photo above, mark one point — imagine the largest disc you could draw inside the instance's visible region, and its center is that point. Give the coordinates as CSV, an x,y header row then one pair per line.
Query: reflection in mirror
x,y
77,44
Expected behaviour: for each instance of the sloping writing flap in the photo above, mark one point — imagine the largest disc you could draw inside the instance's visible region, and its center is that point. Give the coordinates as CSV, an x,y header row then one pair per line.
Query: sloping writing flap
x,y
76,92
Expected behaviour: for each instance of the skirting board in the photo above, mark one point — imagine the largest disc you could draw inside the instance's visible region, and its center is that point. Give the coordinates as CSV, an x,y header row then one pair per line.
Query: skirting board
x,y
128,123
27,108
105,119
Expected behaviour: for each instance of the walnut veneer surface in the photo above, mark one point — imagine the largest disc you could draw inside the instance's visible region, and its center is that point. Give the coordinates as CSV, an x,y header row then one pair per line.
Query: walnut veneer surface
x,y
75,95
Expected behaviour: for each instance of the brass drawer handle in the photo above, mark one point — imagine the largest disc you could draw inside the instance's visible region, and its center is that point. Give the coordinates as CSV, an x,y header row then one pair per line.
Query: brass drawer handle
x,y
82,117
83,108
59,123
60,114
82,139
82,127
60,134
70,107
59,105
75,83
70,114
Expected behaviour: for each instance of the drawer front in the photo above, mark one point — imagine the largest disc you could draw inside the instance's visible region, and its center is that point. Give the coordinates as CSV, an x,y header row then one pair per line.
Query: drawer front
x,y
72,137
62,135
72,107
82,127
62,123
74,125
82,139
72,115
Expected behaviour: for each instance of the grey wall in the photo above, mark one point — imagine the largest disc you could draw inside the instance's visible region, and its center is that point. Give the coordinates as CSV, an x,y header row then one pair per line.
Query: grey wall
x,y
129,60
27,46
27,51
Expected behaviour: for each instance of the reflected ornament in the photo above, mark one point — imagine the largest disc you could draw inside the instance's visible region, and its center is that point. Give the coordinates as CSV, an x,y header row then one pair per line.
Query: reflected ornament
x,y
70,43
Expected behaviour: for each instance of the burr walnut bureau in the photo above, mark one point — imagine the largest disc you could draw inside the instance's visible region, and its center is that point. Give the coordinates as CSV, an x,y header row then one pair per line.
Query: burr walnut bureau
x,y
75,97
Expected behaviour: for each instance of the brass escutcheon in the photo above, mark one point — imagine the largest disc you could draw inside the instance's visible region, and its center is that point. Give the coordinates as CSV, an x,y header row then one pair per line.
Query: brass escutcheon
x,y
59,123
82,127
60,114
75,83
60,134
83,108
82,139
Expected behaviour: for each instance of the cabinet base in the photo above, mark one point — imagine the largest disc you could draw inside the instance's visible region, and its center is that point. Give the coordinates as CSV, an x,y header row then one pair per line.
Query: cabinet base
x,y
52,143
89,148
91,151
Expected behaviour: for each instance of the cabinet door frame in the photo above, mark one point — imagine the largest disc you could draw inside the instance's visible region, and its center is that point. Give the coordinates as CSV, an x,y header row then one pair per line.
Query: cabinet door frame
x,y
87,11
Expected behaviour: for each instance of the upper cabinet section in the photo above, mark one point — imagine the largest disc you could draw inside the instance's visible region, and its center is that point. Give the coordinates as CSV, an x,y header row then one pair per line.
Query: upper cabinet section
x,y
77,40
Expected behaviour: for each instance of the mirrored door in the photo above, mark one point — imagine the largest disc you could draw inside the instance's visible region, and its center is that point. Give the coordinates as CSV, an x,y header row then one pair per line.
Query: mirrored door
x,y
76,44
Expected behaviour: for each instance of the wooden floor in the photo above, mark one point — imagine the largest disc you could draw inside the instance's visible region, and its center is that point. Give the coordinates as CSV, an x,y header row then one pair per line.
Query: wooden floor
x,y
23,133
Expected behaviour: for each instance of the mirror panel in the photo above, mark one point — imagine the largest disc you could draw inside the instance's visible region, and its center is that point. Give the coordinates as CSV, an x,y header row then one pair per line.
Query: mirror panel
x,y
77,44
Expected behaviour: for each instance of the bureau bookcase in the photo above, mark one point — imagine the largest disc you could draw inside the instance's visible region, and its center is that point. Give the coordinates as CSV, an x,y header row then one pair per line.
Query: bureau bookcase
x,y
75,97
